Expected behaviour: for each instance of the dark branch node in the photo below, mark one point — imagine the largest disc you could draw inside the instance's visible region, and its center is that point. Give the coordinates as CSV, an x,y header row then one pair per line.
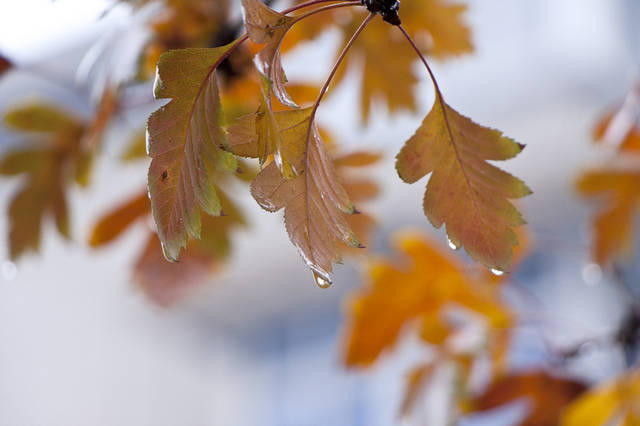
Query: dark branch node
x,y
388,9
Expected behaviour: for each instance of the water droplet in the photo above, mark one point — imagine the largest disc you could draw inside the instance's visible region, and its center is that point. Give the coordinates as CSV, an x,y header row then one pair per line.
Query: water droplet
x,y
592,274
452,246
496,272
322,282
9,270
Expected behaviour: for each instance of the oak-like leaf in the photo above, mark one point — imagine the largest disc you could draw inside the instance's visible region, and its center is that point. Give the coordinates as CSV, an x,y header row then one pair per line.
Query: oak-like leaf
x,y
418,289
184,139
465,192
315,203
268,27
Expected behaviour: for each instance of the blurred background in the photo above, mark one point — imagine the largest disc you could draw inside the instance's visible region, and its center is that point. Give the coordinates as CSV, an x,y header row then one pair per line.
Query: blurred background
x,y
260,344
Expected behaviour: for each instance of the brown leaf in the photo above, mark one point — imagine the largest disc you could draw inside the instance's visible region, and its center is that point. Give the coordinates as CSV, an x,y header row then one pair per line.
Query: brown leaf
x,y
547,394
315,204
184,140
465,191
268,27
5,65
49,163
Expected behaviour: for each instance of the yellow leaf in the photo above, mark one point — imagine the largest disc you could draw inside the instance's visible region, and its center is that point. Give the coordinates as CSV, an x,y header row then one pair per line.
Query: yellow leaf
x,y
55,152
465,192
184,138
614,225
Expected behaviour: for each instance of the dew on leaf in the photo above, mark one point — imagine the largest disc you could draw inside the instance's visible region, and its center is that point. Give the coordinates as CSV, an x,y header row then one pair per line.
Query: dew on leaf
x,y
452,246
322,282
496,272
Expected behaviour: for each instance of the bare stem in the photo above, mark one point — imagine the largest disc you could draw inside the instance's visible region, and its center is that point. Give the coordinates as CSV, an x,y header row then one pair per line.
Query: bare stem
x,y
310,3
332,74
424,61
325,8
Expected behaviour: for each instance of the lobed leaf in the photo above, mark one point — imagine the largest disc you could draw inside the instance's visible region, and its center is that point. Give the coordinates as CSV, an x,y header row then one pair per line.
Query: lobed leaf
x,y
268,27
419,288
315,203
465,192
184,140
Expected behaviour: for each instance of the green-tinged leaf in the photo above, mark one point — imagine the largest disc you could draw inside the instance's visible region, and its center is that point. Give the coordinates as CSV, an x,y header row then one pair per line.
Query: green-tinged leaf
x,y
465,192
184,140
253,131
38,117
23,161
315,204
268,27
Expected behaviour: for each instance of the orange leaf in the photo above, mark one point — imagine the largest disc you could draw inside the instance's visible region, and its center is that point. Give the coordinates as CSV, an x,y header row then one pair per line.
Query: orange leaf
x,y
614,224
419,288
465,192
626,133
548,395
119,219
184,140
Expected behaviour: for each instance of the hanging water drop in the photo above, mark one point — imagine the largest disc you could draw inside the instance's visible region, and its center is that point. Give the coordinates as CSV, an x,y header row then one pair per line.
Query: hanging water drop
x,y
496,272
322,282
592,274
452,246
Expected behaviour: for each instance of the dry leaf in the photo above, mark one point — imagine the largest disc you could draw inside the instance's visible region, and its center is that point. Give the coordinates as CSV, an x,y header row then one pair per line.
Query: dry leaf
x,y
465,192
184,139
50,162
315,206
548,395
614,225
268,27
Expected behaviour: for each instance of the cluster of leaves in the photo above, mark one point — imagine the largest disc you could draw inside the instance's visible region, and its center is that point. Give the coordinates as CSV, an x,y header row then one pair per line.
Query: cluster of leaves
x,y
188,143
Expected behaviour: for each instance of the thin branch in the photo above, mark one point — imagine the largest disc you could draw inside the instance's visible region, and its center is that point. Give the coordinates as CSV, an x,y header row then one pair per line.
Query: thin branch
x,y
332,74
325,8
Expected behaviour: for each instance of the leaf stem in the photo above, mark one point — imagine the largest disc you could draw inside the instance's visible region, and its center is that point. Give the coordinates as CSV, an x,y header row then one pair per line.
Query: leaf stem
x,y
312,3
332,74
325,8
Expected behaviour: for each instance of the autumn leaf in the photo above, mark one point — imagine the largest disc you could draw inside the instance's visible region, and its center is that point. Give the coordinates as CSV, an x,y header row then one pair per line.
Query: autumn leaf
x,y
614,224
119,219
616,400
360,189
619,128
441,32
465,192
163,282
315,203
106,110
185,137
268,27
418,289
5,65
50,160
547,394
